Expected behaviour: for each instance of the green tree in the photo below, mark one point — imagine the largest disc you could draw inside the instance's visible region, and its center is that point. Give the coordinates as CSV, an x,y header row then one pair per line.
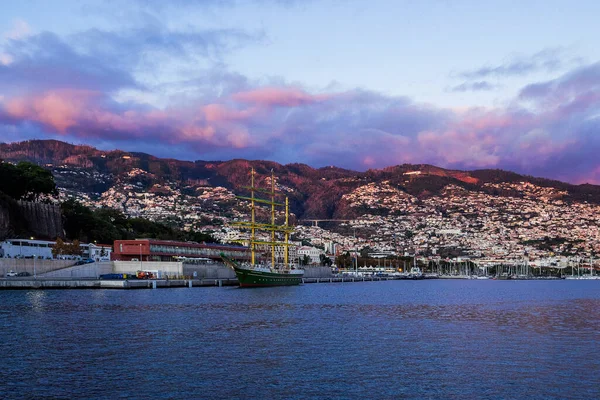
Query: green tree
x,y
105,225
37,181
74,248
79,220
198,237
344,260
10,184
68,249
364,252
26,181
59,248
325,260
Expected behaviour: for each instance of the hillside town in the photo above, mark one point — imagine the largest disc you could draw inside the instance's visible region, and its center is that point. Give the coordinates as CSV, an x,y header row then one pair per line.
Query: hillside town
x,y
407,210
533,222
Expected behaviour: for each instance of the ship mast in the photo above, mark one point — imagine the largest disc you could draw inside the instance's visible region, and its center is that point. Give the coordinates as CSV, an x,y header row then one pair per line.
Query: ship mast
x,y
272,219
254,226
286,250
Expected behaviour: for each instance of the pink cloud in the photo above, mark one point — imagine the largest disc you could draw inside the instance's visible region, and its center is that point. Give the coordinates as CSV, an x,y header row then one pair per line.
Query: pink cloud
x,y
194,133
85,114
58,109
222,113
369,161
354,129
476,138
592,177
80,111
280,97
453,147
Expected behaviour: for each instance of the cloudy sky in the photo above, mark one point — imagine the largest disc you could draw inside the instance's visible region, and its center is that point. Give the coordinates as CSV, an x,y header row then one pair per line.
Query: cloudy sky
x,y
356,84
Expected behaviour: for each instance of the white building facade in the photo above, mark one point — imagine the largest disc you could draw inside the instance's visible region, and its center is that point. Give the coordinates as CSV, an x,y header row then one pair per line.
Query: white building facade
x,y
312,252
42,249
25,248
96,252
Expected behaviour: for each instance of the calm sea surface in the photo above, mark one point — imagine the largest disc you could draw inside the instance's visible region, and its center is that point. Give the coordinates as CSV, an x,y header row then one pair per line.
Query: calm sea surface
x,y
396,339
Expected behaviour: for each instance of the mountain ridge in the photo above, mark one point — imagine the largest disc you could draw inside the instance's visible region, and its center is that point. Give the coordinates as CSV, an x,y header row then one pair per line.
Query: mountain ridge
x,y
408,207
315,192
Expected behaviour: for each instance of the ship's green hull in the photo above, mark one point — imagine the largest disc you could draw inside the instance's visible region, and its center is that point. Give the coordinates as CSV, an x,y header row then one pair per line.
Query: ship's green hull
x,y
252,278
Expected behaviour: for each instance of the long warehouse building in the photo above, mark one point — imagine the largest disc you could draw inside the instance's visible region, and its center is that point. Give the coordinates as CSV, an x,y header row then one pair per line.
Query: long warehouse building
x,y
167,250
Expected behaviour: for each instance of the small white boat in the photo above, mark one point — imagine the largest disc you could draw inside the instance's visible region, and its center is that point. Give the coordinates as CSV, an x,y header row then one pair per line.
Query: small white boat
x,y
415,273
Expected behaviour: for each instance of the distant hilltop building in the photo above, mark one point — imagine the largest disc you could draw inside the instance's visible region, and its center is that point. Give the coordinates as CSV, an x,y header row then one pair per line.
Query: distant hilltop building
x,y
412,173
449,231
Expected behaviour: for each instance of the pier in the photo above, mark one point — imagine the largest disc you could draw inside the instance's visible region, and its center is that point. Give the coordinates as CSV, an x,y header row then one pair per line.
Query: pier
x,y
92,283
179,275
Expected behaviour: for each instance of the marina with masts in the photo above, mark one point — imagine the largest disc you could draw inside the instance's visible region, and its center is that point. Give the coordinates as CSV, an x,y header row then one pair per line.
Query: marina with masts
x,y
465,268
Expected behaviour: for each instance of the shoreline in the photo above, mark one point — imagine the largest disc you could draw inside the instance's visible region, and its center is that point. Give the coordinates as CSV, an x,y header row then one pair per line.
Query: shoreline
x,y
94,283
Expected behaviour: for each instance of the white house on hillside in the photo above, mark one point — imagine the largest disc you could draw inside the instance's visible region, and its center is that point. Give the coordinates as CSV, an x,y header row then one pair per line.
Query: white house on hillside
x,y
312,252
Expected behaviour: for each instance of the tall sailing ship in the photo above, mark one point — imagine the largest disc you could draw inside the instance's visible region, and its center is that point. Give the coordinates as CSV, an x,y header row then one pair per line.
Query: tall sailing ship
x,y
271,272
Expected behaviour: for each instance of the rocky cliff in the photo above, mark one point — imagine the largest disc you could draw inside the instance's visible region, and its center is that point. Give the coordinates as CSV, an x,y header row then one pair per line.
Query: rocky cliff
x,y
43,220
23,218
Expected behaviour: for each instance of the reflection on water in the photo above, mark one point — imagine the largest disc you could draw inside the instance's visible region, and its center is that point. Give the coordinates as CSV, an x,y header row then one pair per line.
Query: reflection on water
x,y
431,339
37,300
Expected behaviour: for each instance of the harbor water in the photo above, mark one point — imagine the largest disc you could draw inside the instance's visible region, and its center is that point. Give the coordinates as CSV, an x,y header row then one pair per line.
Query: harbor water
x,y
462,339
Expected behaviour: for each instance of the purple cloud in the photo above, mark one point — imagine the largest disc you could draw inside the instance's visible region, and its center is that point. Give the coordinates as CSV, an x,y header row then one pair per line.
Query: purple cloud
x,y
106,61
478,86
54,87
45,61
573,84
548,60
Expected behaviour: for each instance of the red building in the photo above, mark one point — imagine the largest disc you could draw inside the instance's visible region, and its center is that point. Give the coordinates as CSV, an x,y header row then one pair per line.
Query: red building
x,y
168,250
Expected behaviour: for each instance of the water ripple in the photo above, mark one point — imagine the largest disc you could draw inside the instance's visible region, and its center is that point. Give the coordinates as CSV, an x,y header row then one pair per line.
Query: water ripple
x,y
338,341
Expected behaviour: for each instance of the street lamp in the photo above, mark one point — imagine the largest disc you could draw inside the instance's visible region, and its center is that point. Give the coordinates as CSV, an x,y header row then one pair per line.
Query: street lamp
x,y
34,257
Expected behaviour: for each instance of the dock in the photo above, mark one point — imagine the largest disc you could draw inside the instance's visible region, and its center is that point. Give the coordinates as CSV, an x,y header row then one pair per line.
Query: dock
x,y
95,283
351,279
92,283
87,283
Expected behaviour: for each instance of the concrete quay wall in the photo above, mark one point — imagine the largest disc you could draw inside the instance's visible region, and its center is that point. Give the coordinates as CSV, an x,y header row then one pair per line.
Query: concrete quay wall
x,y
49,284
130,267
317,272
208,271
93,270
221,271
27,265
82,283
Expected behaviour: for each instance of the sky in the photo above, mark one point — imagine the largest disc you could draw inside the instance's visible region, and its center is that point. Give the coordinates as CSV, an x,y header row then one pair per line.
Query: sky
x,y
356,84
